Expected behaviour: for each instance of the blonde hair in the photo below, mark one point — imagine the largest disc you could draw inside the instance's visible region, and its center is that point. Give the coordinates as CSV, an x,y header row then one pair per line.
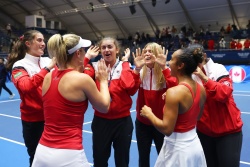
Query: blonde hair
x,y
160,80
58,47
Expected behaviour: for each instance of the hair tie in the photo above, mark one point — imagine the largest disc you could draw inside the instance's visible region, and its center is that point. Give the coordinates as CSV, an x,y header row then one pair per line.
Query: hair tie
x,y
21,38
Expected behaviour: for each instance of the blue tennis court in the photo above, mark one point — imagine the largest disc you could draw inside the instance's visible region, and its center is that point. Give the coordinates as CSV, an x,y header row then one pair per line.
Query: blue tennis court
x,y
13,151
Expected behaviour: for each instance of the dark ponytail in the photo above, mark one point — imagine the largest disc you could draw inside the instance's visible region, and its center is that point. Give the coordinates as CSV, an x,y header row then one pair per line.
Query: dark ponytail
x,y
19,49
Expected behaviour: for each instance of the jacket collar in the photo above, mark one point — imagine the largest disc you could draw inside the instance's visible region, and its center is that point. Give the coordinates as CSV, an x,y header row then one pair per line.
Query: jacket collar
x,y
31,58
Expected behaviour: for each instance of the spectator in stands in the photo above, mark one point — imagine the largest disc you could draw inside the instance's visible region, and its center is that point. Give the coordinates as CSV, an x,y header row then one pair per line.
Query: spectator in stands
x,y
9,29
238,45
222,43
234,27
208,29
3,78
130,40
247,43
202,33
191,32
143,38
157,35
168,33
210,44
173,31
220,126
233,44
184,29
222,31
137,39
163,34
229,28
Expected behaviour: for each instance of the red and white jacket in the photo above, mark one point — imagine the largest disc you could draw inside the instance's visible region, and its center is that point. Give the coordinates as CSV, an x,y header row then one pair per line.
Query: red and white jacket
x,y
221,115
27,76
151,96
123,83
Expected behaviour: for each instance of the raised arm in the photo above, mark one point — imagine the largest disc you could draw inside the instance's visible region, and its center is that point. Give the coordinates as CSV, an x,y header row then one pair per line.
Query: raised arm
x,y
99,99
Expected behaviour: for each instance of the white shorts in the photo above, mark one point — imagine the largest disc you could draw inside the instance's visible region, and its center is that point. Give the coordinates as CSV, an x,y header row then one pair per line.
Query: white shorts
x,y
53,157
181,150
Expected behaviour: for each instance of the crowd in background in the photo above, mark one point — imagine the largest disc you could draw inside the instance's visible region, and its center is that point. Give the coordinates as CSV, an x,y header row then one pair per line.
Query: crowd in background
x,y
170,37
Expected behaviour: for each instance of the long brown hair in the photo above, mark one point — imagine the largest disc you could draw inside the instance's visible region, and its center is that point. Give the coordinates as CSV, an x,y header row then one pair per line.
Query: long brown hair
x,y
19,49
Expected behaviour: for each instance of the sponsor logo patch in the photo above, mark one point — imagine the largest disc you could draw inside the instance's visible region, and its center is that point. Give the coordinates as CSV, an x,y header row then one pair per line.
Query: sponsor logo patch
x,y
17,74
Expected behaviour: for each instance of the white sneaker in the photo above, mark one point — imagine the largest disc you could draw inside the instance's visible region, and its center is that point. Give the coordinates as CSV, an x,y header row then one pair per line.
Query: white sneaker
x,y
12,96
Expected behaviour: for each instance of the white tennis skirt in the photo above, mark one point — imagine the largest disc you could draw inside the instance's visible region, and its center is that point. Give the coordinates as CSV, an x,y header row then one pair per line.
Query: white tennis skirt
x,y
181,150
53,157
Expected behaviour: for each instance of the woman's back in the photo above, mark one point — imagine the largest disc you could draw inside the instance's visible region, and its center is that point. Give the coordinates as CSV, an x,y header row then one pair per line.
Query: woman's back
x,y
64,116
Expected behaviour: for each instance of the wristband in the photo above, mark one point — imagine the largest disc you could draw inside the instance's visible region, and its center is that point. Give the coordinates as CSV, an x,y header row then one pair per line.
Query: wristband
x,y
138,69
46,68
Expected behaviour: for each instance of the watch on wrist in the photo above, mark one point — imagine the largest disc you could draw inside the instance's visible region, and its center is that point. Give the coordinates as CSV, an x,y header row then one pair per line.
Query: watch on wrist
x,y
46,68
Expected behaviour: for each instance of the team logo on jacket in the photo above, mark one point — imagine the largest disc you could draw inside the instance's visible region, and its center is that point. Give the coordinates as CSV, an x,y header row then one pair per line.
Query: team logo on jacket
x,y
17,74
237,74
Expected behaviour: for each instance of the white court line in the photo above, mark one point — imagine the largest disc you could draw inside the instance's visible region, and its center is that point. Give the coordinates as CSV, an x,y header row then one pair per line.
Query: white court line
x,y
242,162
10,116
245,112
241,91
13,141
6,101
85,123
240,95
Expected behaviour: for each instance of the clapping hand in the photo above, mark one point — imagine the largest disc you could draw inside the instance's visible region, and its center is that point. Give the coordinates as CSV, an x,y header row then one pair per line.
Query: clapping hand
x,y
103,70
92,52
161,59
138,58
127,55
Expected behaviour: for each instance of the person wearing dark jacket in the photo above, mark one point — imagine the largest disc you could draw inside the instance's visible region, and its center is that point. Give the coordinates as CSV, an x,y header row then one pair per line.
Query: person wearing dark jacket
x,y
3,76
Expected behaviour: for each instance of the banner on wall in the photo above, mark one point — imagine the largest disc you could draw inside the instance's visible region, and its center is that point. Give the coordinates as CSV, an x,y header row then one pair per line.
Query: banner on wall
x,y
227,57
239,73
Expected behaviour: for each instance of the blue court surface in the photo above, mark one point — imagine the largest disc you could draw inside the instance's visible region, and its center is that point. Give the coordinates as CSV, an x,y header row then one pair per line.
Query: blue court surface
x,y
13,152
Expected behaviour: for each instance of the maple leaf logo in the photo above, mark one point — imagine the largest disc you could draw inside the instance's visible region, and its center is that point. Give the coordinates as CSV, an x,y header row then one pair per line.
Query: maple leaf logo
x,y
236,74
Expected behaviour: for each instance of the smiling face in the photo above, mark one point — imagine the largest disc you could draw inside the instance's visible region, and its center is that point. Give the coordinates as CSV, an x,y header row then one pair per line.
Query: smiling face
x,y
109,51
173,63
149,51
148,54
36,46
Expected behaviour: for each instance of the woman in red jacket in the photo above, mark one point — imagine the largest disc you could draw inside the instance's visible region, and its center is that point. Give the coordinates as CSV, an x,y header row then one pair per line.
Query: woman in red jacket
x,y
220,127
151,66
115,127
28,71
